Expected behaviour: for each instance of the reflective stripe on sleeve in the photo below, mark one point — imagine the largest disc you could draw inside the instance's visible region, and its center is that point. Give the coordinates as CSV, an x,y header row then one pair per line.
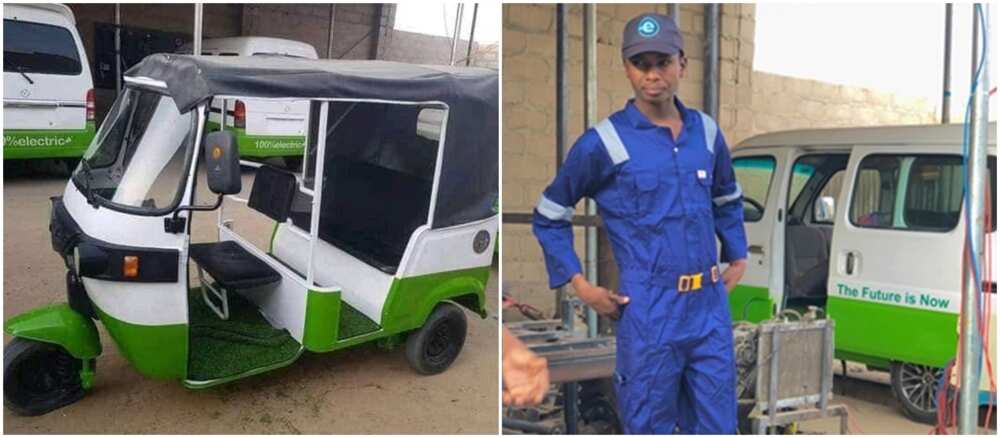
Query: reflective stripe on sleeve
x,y
613,143
553,211
719,200
711,130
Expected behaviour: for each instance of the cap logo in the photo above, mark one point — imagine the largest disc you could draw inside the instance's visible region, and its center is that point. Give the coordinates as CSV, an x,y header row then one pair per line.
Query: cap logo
x,y
648,27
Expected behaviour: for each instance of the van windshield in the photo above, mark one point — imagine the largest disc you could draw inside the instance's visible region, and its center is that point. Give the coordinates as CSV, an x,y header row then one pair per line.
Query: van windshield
x,y
39,48
139,159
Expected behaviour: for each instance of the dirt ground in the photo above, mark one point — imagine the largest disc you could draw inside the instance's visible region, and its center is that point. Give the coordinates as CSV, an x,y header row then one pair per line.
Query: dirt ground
x,y
360,390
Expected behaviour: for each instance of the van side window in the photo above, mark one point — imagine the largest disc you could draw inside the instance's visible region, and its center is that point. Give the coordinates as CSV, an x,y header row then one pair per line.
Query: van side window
x,y
915,192
832,190
801,173
39,48
754,175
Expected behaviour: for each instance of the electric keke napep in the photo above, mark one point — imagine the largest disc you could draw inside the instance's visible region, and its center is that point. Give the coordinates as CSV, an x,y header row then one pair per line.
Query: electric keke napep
x,y
869,225
386,234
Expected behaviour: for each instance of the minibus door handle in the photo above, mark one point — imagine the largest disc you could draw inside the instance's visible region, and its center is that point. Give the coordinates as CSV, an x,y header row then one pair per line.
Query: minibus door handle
x,y
756,249
849,268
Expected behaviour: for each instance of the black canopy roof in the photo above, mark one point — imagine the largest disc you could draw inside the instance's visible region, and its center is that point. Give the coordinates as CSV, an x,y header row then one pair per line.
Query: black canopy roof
x,y
469,178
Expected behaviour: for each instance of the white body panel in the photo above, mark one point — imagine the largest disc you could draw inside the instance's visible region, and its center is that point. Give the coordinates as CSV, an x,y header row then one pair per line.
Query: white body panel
x,y
923,264
362,286
284,304
448,249
150,303
54,101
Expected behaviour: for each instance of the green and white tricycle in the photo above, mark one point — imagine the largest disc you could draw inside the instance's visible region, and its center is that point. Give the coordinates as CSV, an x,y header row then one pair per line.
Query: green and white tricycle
x,y
386,233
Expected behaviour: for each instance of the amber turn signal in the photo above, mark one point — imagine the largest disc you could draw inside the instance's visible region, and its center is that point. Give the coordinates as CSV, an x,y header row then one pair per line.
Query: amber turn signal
x,y
130,268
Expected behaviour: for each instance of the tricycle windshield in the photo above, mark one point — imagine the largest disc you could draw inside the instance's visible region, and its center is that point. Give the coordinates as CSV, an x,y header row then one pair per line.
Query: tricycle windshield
x,y
139,159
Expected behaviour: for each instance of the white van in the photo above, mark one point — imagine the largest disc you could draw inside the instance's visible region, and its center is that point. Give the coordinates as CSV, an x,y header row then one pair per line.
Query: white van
x,y
868,224
264,128
48,93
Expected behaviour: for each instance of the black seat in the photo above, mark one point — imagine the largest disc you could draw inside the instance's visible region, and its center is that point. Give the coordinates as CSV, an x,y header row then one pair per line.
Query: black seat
x,y
227,262
370,211
231,266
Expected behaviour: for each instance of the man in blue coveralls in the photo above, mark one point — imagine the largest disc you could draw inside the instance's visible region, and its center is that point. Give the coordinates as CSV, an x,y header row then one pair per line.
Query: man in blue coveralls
x,y
663,181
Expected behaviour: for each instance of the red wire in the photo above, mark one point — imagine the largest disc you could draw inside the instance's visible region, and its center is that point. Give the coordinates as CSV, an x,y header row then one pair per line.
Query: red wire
x,y
987,299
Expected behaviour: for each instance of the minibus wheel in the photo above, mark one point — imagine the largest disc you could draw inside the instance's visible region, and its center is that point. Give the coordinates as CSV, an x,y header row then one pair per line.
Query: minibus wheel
x,y
39,377
915,386
432,348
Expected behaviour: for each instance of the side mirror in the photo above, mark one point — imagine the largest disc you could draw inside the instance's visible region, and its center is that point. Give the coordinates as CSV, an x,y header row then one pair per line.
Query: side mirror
x,y
824,209
222,163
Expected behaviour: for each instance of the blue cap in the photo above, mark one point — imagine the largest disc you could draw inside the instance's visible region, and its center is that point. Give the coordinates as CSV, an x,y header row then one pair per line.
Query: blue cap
x,y
651,33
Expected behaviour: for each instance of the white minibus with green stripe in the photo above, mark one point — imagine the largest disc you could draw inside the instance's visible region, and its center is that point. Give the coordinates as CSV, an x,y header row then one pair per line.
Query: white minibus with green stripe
x,y
48,93
264,128
868,224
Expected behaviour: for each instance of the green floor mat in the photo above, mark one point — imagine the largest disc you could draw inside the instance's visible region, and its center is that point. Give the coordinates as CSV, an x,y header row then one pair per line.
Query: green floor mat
x,y
246,341
353,322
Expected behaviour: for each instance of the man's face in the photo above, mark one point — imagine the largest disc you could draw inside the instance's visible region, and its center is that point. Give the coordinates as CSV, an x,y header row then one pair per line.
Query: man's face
x,y
655,77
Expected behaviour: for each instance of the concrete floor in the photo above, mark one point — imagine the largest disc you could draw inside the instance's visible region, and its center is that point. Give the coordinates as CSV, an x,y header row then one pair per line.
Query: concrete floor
x,y
360,390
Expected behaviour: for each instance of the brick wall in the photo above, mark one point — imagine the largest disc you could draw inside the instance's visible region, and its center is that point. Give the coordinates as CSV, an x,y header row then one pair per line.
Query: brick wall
x,y
403,46
749,103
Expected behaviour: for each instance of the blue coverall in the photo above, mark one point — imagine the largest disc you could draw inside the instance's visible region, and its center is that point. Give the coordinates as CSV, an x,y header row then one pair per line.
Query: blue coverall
x,y
663,202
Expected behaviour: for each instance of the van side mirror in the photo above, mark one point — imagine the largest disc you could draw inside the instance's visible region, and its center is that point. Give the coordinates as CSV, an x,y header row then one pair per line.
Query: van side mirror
x,y
222,163
824,210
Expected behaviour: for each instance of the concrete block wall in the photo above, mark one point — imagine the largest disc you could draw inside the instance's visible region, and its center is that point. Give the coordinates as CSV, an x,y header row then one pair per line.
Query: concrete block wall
x,y
749,103
781,103
354,31
403,46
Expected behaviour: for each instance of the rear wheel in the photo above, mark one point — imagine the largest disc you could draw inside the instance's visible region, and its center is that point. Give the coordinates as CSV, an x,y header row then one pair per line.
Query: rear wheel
x,y
915,386
432,348
39,377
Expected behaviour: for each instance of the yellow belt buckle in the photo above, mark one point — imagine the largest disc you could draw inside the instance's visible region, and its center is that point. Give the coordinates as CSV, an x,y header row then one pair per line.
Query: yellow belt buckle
x,y
684,283
696,281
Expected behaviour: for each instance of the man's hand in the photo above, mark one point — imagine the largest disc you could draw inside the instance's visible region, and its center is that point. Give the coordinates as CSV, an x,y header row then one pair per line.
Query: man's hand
x,y
525,375
734,273
602,300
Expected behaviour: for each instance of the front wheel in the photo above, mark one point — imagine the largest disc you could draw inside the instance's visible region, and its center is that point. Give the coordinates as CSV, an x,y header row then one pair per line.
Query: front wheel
x,y
915,386
432,348
39,377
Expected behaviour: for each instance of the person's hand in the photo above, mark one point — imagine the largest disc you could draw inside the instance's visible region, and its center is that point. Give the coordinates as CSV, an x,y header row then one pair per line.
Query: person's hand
x,y
525,374
601,299
734,273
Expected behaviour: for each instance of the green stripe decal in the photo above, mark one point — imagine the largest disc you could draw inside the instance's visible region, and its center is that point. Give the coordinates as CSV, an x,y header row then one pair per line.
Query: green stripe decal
x,y
260,146
322,316
750,303
155,351
917,336
412,299
47,143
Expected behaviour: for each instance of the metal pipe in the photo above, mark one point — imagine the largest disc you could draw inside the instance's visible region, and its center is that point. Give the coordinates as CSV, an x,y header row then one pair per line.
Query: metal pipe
x,y
675,13
472,34
458,31
329,40
118,48
571,412
562,107
968,411
711,82
590,114
946,94
198,12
